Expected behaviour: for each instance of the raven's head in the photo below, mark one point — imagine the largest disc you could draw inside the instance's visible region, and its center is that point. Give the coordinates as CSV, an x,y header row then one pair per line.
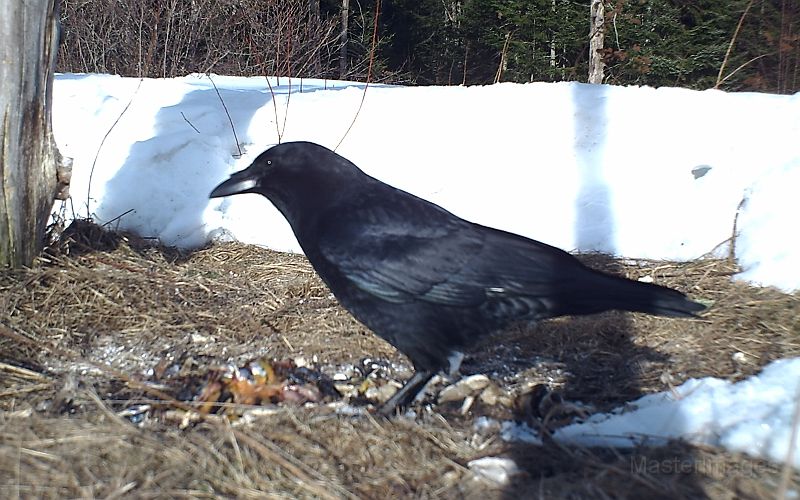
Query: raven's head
x,y
295,176
277,165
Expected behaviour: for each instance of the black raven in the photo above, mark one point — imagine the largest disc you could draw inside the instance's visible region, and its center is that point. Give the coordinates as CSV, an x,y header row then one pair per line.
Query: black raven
x,y
428,282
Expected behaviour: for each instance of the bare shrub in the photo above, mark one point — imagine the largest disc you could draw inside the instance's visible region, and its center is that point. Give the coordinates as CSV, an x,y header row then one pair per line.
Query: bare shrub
x,y
157,38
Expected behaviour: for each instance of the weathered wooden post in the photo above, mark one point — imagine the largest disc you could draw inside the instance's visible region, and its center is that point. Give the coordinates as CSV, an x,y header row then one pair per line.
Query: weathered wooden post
x,y
28,155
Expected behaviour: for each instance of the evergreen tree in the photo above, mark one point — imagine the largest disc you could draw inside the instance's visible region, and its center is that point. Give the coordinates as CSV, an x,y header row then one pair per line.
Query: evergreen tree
x,y
648,42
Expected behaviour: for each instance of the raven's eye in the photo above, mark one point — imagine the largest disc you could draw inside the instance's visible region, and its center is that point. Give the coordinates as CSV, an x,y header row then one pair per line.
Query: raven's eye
x,y
269,162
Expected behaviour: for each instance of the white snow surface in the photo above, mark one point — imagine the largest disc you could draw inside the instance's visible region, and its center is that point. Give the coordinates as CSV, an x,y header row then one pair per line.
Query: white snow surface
x,y
582,167
753,416
634,171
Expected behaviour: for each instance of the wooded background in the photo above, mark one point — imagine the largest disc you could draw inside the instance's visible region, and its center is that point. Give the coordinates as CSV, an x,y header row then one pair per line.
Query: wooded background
x,y
444,42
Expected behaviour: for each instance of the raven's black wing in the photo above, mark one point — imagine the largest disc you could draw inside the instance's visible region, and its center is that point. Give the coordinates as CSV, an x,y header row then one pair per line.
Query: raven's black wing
x,y
406,249
401,251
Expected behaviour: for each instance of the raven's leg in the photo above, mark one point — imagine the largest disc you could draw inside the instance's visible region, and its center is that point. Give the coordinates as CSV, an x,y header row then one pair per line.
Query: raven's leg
x,y
407,393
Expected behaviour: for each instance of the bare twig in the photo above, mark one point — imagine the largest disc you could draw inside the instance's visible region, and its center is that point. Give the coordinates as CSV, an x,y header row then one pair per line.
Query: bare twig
x,y
97,154
730,45
190,123
227,113
743,65
369,72
275,111
120,216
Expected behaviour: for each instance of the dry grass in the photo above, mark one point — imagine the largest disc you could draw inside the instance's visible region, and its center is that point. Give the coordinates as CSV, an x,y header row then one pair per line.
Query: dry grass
x,y
82,332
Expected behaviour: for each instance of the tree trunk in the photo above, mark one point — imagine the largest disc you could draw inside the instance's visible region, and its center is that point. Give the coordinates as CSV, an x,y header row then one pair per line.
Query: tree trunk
x,y
28,156
314,20
596,36
343,40
553,41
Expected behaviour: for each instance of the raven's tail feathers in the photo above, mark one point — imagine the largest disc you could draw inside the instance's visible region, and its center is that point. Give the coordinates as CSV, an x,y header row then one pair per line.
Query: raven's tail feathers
x,y
604,292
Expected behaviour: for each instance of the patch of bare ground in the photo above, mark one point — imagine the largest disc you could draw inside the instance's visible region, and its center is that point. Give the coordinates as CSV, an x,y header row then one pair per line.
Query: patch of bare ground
x,y
106,342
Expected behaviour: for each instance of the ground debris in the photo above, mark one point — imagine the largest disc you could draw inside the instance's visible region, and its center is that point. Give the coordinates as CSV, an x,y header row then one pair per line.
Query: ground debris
x,y
257,382
92,333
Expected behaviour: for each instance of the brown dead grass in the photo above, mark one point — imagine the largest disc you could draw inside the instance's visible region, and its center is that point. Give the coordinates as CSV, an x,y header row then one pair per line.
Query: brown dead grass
x,y
82,330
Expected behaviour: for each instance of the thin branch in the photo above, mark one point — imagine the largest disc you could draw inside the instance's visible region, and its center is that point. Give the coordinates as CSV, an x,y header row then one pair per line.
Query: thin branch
x,y
369,71
730,45
230,120
97,154
190,123
742,66
120,216
275,110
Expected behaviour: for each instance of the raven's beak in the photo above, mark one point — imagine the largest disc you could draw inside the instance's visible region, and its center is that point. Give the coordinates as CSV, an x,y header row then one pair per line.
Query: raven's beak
x,y
240,182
